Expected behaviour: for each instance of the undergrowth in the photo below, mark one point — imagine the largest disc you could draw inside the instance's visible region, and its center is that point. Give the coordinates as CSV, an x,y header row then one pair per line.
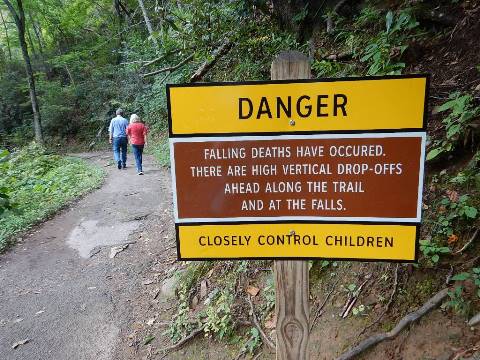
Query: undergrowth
x,y
38,184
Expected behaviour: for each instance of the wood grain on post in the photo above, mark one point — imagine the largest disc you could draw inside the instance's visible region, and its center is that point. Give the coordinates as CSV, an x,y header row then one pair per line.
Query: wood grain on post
x,y
291,276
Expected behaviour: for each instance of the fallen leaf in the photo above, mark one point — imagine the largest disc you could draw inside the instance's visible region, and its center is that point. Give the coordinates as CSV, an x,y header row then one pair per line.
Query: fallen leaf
x,y
452,239
252,290
150,321
147,282
39,312
452,195
271,323
21,342
442,209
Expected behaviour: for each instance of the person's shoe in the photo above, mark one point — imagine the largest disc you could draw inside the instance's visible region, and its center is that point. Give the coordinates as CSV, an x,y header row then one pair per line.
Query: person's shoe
x,y
140,173
119,165
124,166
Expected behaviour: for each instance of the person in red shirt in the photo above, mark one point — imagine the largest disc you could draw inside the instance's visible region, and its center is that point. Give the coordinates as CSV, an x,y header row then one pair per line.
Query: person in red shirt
x,y
137,136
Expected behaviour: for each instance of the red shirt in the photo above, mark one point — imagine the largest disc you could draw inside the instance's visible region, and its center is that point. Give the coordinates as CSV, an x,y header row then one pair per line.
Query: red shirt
x,y
137,132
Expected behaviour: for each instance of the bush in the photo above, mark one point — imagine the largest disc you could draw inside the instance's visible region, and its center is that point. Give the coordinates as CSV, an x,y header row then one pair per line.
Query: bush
x,y
39,184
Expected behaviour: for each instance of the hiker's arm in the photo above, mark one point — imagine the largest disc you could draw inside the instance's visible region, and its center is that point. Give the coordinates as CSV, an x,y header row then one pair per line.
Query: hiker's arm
x,y
110,132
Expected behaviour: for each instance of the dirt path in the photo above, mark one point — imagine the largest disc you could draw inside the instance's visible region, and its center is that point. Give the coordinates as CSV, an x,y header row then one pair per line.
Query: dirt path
x,y
60,289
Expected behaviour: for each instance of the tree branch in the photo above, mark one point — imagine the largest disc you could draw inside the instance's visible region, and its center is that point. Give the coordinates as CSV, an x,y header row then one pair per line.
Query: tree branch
x,y
170,68
432,303
472,239
265,338
207,65
12,11
183,341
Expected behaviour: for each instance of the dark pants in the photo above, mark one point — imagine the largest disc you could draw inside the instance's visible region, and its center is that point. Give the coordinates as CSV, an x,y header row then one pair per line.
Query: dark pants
x,y
138,152
120,144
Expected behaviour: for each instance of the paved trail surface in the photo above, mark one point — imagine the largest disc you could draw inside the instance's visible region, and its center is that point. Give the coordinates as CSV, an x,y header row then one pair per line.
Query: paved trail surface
x,y
60,288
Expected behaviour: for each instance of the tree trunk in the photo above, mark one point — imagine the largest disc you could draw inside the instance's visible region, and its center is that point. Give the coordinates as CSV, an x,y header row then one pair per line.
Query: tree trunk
x,y
20,22
301,16
6,36
38,33
148,23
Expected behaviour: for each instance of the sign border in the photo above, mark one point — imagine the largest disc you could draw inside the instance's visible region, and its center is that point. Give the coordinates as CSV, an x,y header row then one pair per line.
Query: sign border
x,y
306,219
425,76
412,261
191,136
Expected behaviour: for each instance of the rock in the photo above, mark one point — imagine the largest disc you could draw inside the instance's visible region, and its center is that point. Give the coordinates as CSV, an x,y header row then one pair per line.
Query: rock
x,y
203,289
169,286
117,249
21,342
474,320
194,302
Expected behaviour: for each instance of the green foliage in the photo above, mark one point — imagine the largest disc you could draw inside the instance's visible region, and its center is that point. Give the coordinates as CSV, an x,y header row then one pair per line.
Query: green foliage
x,y
458,302
453,212
268,295
5,202
474,276
161,150
253,342
432,251
359,310
218,315
181,325
388,45
461,111
39,184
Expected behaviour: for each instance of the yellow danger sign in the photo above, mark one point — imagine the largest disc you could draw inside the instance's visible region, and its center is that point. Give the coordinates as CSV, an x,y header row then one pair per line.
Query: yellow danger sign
x,y
298,106
336,241
298,169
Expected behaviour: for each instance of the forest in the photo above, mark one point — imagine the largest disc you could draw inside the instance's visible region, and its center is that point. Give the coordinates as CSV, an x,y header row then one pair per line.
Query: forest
x,y
66,66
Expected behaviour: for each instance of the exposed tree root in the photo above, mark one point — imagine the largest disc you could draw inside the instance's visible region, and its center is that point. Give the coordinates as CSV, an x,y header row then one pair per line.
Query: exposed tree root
x,y
390,301
469,242
187,338
432,303
264,336
319,311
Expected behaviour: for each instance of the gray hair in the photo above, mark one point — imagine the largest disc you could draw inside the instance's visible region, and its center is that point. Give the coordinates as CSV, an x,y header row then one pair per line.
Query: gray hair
x,y
119,112
135,119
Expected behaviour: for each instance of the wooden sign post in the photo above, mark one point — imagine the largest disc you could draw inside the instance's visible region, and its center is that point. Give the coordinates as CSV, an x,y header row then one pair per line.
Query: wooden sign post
x,y
291,276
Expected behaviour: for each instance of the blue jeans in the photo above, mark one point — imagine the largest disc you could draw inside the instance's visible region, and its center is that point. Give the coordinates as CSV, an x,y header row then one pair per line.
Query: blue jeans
x,y
120,144
137,152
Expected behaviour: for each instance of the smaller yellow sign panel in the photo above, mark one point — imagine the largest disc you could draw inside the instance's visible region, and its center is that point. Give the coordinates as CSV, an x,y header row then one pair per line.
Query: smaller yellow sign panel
x,y
336,241
343,105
